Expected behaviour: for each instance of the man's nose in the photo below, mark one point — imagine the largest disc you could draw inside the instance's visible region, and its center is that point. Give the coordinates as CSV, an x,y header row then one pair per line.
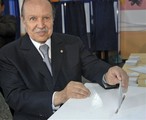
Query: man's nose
x,y
41,23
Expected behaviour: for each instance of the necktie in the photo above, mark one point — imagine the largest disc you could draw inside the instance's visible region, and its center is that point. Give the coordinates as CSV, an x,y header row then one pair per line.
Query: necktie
x,y
44,50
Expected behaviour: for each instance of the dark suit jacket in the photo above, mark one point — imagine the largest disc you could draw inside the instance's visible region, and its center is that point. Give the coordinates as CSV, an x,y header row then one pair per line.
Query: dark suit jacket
x,y
26,81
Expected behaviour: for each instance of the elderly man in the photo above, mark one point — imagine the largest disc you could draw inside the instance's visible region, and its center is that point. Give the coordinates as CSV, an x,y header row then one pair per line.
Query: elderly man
x,y
35,85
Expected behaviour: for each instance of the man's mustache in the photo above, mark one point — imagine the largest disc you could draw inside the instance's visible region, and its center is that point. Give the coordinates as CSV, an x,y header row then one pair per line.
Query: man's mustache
x,y
41,30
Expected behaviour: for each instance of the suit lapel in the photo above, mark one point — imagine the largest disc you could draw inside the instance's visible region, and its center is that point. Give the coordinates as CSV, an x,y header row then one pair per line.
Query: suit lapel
x,y
57,48
35,60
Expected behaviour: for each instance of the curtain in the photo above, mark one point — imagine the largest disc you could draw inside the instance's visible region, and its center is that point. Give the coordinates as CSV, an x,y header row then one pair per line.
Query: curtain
x,y
75,21
103,30
104,36
6,10
73,18
12,8
58,17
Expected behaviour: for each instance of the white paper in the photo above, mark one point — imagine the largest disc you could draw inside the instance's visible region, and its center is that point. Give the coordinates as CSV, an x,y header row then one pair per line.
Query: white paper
x,y
121,97
133,81
131,62
133,74
134,57
140,69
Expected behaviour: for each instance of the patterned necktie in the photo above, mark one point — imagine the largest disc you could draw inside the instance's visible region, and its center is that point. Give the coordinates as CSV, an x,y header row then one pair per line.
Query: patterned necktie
x,y
44,50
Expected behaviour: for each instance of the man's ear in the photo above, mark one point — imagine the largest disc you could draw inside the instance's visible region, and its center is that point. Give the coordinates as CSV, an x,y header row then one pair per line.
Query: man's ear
x,y
23,20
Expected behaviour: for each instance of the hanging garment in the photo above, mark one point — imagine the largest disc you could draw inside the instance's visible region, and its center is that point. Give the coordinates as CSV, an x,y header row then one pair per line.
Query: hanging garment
x,y
75,21
104,36
58,17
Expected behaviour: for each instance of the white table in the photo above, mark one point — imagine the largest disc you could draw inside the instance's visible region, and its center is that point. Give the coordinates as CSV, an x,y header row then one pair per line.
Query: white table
x,y
102,104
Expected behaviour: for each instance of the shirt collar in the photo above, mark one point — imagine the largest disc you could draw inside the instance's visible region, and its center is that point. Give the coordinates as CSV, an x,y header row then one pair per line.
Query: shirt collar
x,y
37,45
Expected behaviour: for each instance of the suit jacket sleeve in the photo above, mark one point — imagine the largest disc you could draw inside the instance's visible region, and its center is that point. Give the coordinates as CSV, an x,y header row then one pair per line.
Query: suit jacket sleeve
x,y
93,68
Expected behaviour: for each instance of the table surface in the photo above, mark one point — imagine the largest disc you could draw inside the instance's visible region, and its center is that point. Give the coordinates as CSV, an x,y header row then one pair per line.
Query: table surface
x,y
102,105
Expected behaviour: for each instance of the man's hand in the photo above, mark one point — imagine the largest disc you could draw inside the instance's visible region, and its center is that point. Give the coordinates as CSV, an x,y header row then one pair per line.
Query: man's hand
x,y
72,90
115,74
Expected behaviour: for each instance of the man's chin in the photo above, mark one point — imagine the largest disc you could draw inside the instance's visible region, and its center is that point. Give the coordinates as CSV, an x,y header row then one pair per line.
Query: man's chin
x,y
41,39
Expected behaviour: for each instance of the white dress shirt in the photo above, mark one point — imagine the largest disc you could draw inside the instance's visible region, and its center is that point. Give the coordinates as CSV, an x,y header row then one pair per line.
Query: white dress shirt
x,y
37,45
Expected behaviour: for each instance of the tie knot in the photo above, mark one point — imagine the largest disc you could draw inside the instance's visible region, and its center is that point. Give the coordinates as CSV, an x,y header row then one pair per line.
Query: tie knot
x,y
44,49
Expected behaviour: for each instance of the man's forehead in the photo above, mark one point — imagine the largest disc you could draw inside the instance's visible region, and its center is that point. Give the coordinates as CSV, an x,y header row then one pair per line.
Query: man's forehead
x,y
37,3
40,1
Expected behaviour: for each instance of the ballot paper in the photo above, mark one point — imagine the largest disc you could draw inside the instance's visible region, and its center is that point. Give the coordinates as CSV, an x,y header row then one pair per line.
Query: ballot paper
x,y
133,74
133,81
121,96
140,69
133,78
102,104
134,57
131,62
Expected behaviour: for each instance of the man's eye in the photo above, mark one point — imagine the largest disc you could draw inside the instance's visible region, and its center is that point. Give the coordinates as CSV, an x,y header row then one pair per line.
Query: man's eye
x,y
47,18
32,19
